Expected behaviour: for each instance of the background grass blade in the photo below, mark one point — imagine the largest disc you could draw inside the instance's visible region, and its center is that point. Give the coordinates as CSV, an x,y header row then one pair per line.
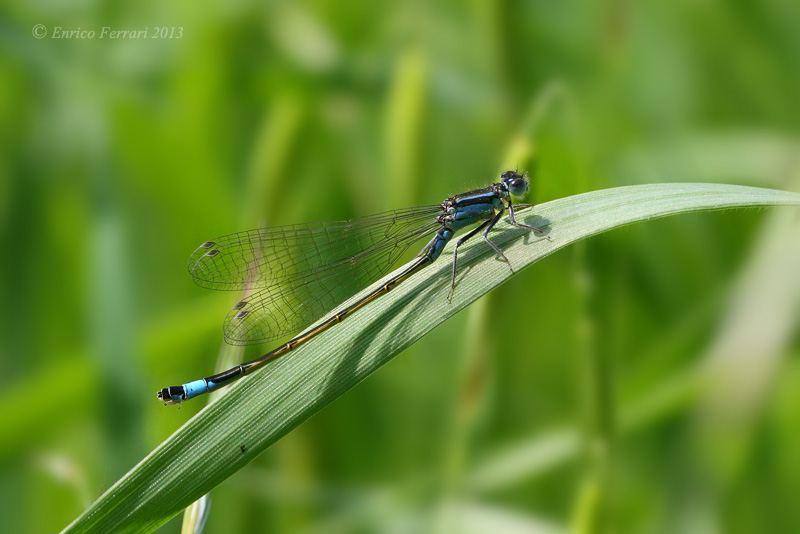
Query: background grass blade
x,y
259,409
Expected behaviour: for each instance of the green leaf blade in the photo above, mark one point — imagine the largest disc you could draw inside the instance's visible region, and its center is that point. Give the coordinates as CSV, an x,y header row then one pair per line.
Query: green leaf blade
x,y
259,409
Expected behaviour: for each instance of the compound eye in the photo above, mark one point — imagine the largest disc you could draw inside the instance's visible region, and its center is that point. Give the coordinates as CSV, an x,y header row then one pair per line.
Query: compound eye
x,y
518,187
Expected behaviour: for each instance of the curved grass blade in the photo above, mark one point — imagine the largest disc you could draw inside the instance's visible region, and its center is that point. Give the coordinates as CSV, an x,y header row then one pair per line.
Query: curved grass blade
x,y
259,409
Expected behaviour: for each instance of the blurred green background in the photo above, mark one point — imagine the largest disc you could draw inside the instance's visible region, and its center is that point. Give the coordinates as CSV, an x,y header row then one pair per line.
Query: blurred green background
x,y
654,384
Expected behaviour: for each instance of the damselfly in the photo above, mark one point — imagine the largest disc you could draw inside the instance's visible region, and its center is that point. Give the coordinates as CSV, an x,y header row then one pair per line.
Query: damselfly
x,y
304,271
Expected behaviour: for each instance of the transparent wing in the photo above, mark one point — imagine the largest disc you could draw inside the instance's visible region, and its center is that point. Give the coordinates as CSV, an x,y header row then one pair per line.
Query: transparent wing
x,y
304,270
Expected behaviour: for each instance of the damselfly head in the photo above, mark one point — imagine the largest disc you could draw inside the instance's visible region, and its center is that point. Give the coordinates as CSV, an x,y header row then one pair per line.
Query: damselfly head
x,y
515,183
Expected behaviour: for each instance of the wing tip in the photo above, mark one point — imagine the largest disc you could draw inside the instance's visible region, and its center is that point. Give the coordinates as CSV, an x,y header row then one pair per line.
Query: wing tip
x,y
200,270
243,326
